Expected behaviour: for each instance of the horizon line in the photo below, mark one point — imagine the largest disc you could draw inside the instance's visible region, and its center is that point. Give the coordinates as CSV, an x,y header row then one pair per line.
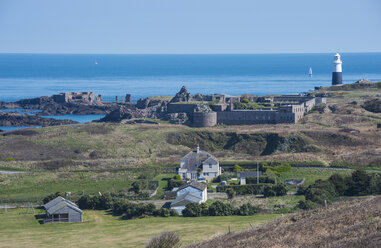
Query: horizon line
x,y
280,53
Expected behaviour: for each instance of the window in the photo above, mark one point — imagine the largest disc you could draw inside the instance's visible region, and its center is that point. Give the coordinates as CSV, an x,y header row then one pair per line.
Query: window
x,y
210,166
194,176
184,175
206,173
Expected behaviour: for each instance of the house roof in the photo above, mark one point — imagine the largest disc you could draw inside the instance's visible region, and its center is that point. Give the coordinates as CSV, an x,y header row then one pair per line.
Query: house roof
x,y
210,160
244,174
195,158
194,184
61,205
185,199
56,201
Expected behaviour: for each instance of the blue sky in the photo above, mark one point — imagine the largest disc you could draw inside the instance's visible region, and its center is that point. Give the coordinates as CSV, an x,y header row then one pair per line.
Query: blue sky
x,y
189,26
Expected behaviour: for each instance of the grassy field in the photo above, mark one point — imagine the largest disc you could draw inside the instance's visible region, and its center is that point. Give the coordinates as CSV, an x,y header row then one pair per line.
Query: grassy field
x,y
99,229
310,175
35,186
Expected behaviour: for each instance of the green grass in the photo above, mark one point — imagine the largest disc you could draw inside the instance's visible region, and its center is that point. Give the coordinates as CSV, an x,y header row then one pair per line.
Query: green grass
x,y
162,178
99,229
310,175
35,186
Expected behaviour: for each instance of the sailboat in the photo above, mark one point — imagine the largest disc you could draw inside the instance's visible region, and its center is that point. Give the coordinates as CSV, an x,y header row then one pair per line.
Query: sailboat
x,y
310,72
96,62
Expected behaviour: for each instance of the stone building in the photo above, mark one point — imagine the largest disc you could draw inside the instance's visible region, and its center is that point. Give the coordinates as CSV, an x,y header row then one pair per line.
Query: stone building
x,y
66,97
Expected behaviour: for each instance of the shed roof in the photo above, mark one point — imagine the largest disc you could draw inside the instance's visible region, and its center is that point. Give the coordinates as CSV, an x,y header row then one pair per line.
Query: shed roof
x,y
57,200
244,174
185,199
61,205
194,184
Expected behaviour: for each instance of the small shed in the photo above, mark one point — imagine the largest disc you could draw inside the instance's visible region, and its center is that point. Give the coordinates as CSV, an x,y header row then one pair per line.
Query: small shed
x,y
62,210
244,174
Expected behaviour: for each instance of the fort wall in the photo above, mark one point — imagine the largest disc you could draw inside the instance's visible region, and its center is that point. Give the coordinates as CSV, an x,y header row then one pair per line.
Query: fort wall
x,y
204,119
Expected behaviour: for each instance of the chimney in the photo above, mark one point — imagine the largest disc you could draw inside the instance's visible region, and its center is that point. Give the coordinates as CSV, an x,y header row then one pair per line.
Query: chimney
x,y
198,148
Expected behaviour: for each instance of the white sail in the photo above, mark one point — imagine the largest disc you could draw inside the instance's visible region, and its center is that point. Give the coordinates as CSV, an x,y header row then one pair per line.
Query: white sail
x,y
310,72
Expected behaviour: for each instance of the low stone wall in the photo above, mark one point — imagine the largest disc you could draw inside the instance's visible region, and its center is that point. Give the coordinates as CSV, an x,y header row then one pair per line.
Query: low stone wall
x,y
212,196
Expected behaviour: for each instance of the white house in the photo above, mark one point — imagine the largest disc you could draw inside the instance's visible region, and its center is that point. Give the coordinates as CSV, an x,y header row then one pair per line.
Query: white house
x,y
201,162
193,192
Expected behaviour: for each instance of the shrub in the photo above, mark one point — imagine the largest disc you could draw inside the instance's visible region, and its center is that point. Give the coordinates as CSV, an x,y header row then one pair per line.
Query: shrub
x,y
359,183
177,177
9,159
230,193
174,183
237,168
277,170
164,240
268,191
219,208
192,210
222,177
137,186
274,190
51,197
247,209
306,204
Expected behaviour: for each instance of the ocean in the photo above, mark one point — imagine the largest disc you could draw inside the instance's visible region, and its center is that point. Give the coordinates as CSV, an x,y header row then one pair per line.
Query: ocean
x,y
32,75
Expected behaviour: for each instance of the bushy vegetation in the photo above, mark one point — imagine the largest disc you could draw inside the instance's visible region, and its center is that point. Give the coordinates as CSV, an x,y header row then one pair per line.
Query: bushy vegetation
x,y
219,208
359,183
123,207
164,240
51,197
267,190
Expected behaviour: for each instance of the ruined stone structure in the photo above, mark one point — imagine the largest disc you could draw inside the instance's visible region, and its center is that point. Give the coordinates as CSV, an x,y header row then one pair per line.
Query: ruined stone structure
x,y
80,97
99,99
291,109
128,98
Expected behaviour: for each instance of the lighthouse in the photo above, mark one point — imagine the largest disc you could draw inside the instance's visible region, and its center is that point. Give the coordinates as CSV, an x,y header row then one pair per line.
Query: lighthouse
x,y
337,77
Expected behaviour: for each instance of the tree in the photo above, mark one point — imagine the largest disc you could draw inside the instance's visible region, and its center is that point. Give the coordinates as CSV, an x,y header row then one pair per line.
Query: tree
x,y
247,209
192,210
268,191
360,183
137,186
51,197
280,189
219,208
230,193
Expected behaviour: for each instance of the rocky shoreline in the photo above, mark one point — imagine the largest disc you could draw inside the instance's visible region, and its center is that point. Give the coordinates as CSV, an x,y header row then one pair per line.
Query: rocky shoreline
x,y
19,120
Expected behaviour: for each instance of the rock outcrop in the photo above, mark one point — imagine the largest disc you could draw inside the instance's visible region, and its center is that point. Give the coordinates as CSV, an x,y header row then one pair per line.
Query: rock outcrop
x,y
19,120
50,107
182,96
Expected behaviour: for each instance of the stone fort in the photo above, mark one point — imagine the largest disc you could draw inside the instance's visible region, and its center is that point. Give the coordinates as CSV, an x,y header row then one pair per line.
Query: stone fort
x,y
289,109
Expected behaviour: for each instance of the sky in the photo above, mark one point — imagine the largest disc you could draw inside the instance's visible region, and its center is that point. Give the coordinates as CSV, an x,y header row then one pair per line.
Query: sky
x,y
189,26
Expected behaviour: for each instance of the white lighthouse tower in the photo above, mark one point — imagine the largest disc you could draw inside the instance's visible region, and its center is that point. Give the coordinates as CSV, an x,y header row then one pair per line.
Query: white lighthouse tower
x,y
337,74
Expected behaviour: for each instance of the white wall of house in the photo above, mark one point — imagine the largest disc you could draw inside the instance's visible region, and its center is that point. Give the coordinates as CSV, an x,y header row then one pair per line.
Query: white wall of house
x,y
210,171
243,181
185,174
